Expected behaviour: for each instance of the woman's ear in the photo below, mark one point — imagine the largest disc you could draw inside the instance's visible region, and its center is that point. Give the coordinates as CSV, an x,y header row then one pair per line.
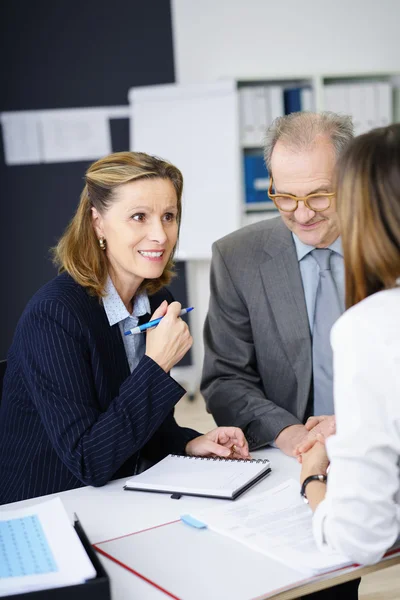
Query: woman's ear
x,y
97,222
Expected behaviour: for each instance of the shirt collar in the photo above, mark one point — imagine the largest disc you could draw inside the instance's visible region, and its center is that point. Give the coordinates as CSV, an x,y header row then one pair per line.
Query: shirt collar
x,y
116,310
303,249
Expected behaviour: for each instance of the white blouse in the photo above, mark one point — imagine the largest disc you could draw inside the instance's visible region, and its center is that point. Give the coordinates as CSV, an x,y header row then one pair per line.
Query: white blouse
x,y
360,516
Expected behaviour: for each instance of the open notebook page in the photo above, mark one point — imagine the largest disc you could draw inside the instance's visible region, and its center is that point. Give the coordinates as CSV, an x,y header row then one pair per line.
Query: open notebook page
x,y
201,476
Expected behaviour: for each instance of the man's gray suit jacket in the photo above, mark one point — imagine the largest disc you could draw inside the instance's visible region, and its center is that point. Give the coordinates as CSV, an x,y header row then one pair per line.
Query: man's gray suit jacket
x,y
258,361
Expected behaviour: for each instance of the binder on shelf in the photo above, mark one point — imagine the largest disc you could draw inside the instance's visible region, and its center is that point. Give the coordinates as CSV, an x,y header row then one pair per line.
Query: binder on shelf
x,y
248,126
97,588
384,103
292,100
262,113
368,109
355,107
336,97
275,101
307,99
256,179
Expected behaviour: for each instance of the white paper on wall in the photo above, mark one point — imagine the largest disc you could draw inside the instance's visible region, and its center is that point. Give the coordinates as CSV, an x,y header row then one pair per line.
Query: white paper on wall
x,y
21,138
76,134
58,135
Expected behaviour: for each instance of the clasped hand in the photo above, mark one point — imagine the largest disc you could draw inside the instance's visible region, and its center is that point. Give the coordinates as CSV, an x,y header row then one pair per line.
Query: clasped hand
x,y
319,428
298,439
223,442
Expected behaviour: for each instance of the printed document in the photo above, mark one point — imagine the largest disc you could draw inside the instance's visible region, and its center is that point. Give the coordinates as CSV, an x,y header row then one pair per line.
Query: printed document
x,y
277,523
40,549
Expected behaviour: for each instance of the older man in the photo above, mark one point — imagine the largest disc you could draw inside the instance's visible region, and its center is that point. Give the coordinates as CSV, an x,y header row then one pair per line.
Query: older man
x,y
276,289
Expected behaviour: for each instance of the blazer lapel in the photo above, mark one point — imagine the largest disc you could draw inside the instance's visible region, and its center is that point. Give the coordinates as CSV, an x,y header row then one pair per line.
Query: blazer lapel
x,y
284,289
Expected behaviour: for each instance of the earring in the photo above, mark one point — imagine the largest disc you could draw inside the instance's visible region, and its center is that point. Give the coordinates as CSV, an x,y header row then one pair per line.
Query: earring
x,y
102,243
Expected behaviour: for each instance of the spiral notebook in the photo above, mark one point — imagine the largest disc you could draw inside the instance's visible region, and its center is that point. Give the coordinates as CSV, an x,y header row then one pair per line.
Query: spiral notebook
x,y
198,476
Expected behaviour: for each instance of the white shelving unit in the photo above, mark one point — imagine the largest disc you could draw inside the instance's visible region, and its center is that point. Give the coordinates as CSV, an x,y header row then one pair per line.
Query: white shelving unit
x,y
197,127
260,101
373,100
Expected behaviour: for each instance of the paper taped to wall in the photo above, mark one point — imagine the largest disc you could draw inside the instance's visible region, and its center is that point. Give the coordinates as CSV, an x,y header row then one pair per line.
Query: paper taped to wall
x,y
58,135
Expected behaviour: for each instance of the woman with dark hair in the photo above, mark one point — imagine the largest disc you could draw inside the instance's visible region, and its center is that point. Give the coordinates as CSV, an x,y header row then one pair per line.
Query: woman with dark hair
x,y
357,510
82,402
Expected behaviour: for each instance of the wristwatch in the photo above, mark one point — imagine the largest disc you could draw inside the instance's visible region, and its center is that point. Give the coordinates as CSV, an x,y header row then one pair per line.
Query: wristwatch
x,y
322,478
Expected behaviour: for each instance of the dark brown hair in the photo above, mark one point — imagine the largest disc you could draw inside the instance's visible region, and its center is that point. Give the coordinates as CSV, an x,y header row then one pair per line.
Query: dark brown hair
x,y
78,251
368,202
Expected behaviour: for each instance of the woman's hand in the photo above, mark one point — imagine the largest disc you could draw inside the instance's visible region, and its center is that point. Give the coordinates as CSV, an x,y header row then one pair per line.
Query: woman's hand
x,y
324,425
225,442
315,461
168,343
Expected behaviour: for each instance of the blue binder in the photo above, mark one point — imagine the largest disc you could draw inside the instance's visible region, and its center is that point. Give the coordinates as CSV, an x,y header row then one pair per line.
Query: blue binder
x,y
256,178
292,100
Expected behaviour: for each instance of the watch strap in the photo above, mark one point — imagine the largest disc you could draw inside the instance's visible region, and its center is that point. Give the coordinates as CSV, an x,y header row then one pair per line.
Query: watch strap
x,y
322,478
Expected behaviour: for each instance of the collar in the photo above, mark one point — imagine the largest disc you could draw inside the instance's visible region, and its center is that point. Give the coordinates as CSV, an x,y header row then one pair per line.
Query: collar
x,y
116,310
303,249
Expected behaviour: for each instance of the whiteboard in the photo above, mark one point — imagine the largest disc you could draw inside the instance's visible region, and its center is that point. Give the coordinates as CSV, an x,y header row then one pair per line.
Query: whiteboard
x,y
196,128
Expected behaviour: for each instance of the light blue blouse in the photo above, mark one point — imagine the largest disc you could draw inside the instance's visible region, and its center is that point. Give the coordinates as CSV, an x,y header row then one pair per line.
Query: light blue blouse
x,y
116,311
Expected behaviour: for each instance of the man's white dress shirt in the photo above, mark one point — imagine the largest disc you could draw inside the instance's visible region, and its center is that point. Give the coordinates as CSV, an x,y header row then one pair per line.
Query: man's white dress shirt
x,y
360,515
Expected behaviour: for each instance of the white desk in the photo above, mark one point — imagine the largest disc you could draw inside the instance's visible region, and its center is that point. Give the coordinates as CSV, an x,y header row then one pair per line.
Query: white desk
x,y
109,511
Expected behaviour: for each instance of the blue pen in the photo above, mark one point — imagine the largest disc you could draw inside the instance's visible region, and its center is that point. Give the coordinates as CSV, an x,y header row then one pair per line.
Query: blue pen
x,y
153,323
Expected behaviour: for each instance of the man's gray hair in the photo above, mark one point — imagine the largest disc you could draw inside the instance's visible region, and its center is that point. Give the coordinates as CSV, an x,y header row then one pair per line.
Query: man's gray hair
x,y
300,129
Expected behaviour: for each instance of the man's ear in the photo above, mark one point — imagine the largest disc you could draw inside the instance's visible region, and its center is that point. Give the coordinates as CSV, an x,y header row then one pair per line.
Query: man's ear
x,y
97,222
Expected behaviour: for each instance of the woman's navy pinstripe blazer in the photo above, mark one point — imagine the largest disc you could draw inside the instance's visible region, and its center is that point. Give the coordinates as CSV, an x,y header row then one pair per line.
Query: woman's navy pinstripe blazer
x,y
72,414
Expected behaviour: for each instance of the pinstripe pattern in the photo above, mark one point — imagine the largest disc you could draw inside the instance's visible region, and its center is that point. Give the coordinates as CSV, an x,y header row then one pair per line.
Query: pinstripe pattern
x,y
71,412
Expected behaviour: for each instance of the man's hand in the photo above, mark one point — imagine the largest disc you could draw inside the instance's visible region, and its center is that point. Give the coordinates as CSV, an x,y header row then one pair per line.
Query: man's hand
x,y
324,425
291,438
225,442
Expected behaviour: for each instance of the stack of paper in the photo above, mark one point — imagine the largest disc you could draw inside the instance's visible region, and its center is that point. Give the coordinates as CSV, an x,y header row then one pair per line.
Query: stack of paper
x,y
276,523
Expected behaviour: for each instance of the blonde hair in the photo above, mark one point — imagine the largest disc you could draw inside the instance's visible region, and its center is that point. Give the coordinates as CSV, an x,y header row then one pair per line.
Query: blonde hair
x,y
78,251
368,204
300,129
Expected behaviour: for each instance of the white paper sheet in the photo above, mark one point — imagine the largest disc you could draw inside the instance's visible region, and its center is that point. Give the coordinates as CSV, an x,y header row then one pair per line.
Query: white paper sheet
x,y
277,523
75,134
58,135
50,552
21,138
201,476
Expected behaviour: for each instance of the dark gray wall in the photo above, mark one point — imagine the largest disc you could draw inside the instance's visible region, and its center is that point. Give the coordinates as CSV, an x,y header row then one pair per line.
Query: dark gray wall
x,y
58,55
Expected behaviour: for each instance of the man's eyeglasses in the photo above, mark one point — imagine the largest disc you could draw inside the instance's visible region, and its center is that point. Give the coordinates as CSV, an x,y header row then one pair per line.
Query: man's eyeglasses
x,y
288,203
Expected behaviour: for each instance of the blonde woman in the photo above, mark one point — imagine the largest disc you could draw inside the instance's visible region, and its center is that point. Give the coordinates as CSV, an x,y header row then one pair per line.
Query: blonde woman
x,y
83,403
357,510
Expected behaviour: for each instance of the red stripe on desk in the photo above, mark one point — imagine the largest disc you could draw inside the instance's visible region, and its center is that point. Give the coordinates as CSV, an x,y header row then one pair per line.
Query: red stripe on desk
x,y
134,533
121,564
153,583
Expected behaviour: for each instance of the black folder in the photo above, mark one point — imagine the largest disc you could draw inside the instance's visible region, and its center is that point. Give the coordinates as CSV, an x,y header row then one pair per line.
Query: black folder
x,y
97,588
